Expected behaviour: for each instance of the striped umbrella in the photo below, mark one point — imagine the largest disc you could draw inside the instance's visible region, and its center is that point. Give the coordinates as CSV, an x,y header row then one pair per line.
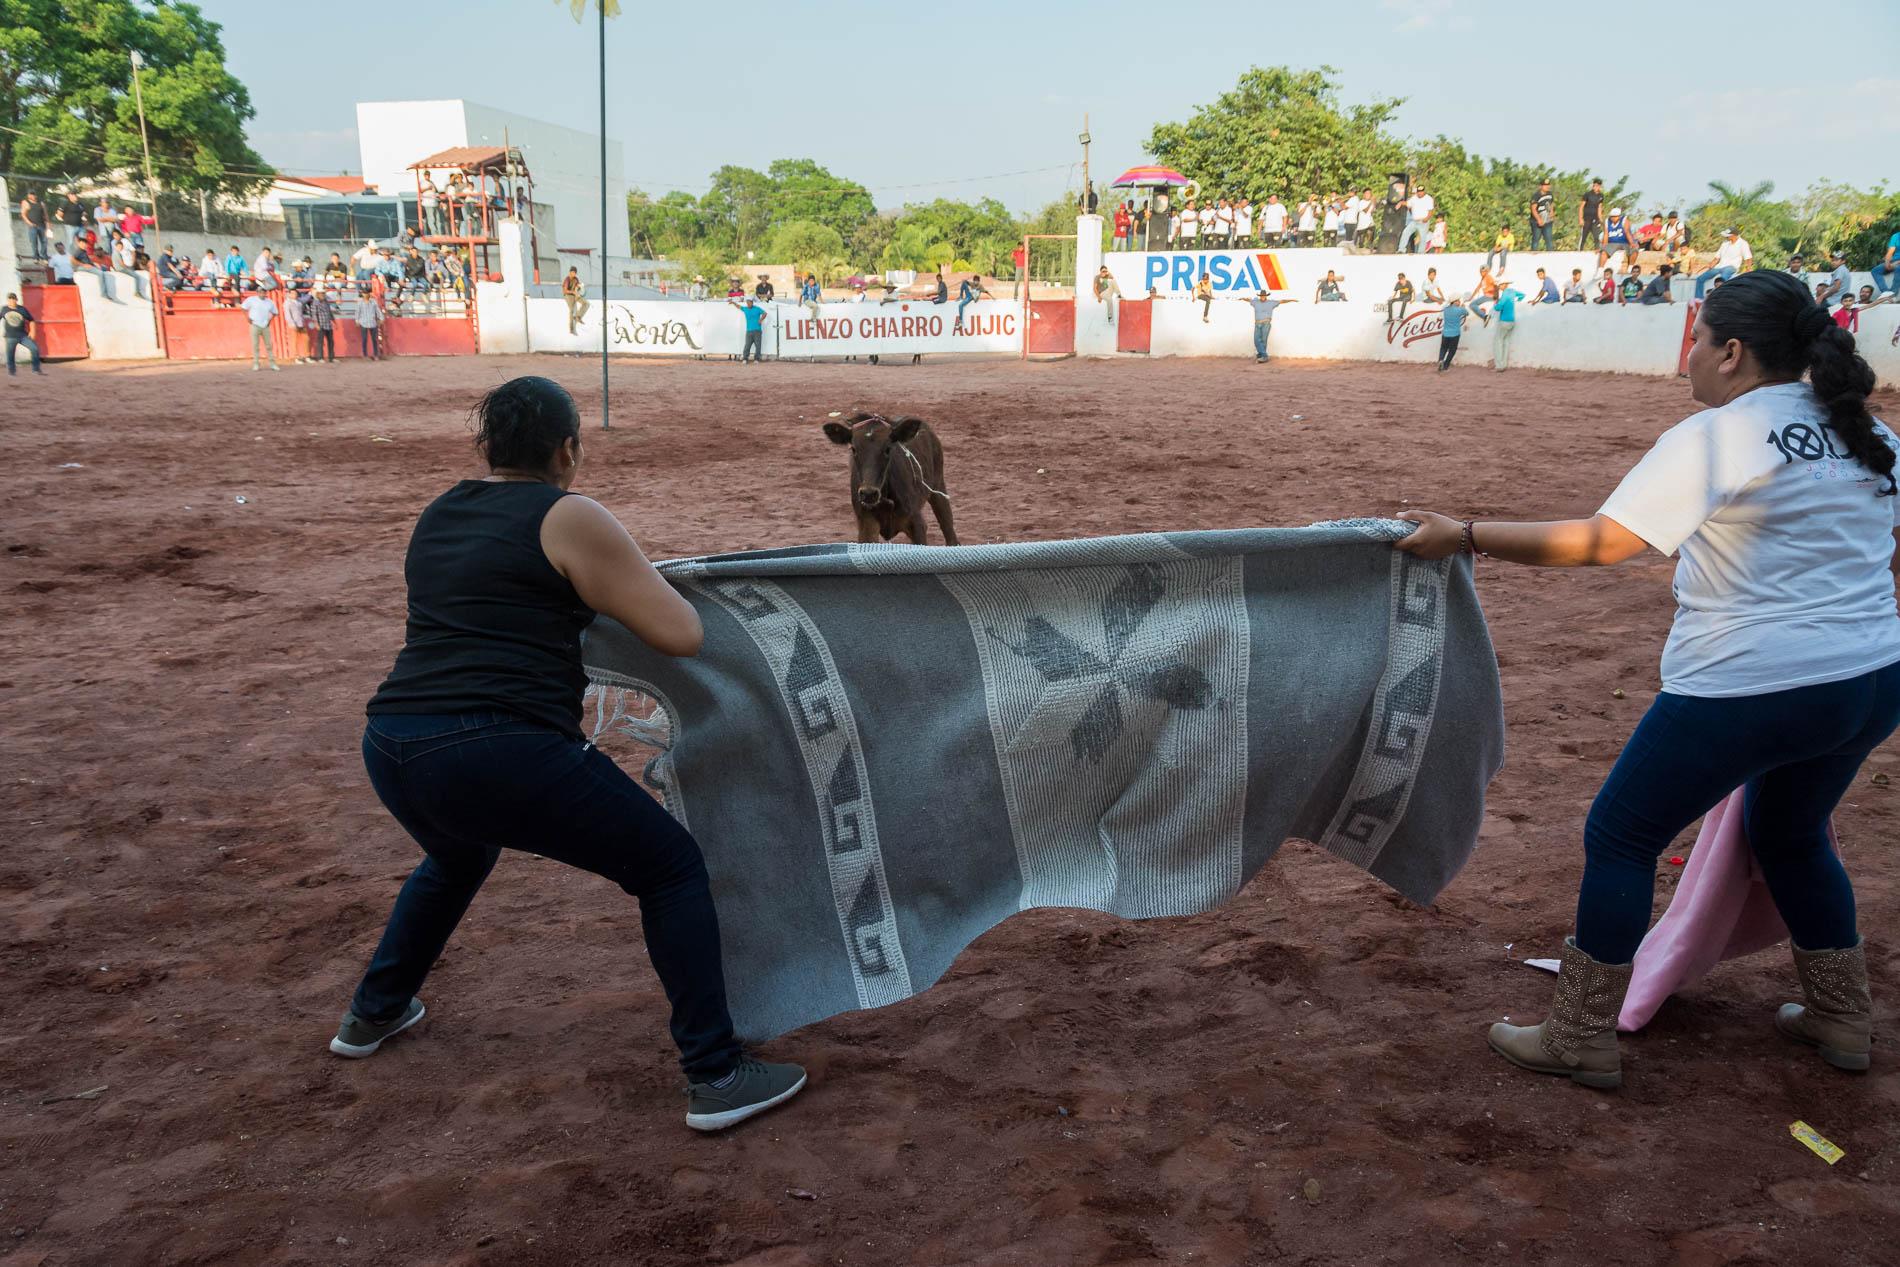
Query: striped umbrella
x,y
1150,176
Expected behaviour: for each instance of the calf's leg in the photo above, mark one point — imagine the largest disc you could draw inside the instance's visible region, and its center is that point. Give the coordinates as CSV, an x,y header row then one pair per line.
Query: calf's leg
x,y
940,505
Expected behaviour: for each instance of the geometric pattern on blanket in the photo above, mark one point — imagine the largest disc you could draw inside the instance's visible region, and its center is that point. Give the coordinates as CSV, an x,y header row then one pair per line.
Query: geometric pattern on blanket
x,y
886,750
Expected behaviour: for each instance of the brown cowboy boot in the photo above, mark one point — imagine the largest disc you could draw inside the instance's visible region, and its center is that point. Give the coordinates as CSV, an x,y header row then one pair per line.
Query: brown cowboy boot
x,y
1839,1015
1578,1039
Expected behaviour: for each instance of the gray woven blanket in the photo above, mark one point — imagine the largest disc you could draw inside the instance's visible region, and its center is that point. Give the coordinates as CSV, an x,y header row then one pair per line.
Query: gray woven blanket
x,y
885,750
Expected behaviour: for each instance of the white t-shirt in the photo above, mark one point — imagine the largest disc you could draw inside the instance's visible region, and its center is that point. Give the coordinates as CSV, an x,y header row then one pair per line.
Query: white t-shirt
x,y
1331,222
1308,218
62,264
1732,254
1190,223
260,309
1783,578
1421,206
1350,216
1273,218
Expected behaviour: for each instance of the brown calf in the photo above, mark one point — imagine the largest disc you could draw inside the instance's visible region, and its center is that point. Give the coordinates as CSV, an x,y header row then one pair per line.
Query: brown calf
x,y
896,467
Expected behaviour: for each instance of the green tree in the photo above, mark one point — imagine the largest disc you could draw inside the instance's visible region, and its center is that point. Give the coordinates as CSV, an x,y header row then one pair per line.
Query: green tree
x,y
869,239
1769,226
1476,195
67,104
1869,247
737,210
665,227
804,191
1281,131
1834,215
804,244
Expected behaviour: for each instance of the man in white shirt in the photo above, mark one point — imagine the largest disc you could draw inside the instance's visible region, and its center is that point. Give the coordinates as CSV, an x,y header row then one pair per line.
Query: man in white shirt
x,y
1840,281
1349,219
1243,222
1418,219
1272,221
61,264
1732,257
262,310
264,269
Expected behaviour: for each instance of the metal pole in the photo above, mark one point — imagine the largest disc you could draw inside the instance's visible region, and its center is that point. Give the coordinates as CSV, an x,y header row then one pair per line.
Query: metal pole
x,y
601,6
1085,164
138,96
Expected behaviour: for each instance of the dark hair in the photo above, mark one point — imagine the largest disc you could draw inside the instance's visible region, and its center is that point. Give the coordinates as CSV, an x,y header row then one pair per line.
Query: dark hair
x,y
1774,317
522,423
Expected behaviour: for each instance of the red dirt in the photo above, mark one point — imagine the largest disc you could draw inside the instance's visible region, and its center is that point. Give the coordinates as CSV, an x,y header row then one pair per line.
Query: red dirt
x,y
195,871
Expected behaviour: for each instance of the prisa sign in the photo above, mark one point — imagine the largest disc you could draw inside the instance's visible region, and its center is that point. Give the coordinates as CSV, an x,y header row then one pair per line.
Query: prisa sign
x,y
1427,324
1172,271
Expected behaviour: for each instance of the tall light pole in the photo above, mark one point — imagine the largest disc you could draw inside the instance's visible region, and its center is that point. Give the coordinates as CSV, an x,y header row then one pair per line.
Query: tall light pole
x,y
138,96
601,7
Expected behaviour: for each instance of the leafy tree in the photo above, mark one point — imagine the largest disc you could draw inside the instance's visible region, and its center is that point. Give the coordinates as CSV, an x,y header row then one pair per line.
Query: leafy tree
x,y
869,239
66,94
1476,194
1769,226
804,244
1869,247
802,190
666,227
737,210
1835,215
1281,131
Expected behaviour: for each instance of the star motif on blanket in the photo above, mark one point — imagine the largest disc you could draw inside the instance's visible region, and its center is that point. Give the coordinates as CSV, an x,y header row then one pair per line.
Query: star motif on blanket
x,y
1084,690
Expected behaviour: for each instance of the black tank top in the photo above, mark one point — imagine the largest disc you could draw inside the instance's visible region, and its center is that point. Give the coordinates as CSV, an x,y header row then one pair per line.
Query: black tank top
x,y
492,625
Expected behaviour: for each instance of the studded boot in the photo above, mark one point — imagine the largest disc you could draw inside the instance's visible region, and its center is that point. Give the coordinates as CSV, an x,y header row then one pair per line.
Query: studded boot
x,y
1838,1017
1578,1039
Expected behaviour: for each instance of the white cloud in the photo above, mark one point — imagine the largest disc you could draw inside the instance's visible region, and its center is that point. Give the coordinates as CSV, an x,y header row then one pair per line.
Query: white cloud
x,y
1420,15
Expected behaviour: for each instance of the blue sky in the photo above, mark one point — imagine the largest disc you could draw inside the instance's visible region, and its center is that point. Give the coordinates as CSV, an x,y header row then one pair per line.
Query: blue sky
x,y
919,101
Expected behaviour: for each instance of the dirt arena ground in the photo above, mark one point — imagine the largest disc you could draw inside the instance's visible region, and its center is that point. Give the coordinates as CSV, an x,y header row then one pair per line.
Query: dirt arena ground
x,y
202,585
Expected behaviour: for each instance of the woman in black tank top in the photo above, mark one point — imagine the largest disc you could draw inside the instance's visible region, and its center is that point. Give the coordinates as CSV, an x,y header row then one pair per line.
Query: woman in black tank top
x,y
474,743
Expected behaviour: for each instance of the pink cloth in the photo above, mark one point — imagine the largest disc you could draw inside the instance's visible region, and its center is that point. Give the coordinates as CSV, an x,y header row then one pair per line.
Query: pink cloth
x,y
1721,909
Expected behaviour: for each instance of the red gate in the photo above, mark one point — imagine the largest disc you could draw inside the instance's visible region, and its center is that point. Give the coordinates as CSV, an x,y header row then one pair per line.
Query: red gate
x,y
203,325
1134,325
1051,328
60,324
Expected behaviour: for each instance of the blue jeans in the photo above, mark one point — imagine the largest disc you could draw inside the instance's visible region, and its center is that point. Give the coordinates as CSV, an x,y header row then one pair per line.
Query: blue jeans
x,y
1795,752
466,787
13,350
36,240
1415,230
1541,233
1702,278
1887,278
1261,329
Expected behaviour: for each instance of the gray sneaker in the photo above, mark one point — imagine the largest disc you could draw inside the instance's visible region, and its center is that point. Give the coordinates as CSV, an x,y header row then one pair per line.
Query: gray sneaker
x,y
755,1088
357,1038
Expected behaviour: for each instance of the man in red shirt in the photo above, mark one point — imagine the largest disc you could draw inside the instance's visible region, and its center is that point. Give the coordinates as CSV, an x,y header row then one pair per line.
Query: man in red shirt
x,y
1123,222
1019,258
132,224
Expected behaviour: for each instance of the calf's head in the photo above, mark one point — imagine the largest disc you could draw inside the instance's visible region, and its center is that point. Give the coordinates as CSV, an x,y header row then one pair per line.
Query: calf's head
x,y
873,440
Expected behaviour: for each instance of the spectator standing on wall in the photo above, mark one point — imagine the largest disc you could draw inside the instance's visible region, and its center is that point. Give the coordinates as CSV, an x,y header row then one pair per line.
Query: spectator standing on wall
x,y
1887,271
431,202
1020,259
1732,257
1189,226
1543,217
261,309
1106,292
369,325
1329,220
1418,218
1506,309
33,213
1441,234
1243,222
1273,222
16,327
1263,305
754,314
62,265
72,217
1454,329
574,294
1349,219
132,224
1402,292
1124,226
1309,222
1590,216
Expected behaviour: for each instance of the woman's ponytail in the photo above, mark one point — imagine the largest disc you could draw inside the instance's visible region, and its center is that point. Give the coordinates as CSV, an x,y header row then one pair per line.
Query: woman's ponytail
x,y
1842,379
1774,316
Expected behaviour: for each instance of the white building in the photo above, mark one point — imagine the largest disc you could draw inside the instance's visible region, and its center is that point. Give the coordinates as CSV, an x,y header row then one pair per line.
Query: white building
x,y
564,162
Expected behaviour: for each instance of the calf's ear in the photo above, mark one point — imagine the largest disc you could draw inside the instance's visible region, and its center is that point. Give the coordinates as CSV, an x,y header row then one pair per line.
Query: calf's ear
x,y
839,433
904,430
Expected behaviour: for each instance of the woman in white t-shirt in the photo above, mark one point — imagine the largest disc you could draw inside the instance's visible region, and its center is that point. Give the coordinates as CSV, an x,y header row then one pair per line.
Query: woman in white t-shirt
x,y
1782,670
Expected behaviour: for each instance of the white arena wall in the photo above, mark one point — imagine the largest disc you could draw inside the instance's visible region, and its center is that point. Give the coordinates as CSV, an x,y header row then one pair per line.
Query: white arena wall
x,y
1612,338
